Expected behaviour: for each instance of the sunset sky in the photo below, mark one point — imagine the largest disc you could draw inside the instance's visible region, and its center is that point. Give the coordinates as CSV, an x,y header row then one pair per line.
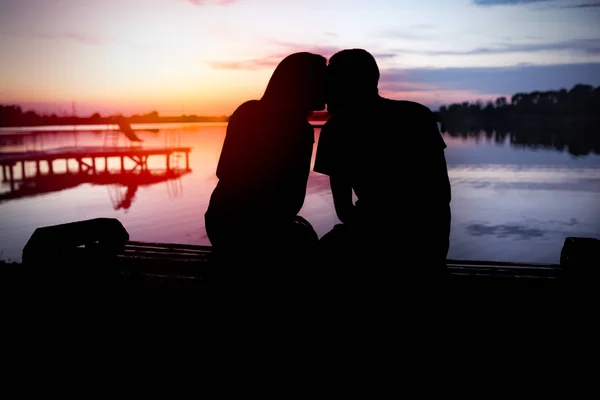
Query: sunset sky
x,y
205,57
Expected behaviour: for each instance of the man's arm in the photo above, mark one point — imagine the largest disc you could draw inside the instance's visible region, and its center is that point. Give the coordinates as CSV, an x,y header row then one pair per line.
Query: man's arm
x,y
327,162
341,191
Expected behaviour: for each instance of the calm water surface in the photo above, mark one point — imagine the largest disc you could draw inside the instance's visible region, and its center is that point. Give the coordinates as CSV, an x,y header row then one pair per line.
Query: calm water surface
x,y
511,204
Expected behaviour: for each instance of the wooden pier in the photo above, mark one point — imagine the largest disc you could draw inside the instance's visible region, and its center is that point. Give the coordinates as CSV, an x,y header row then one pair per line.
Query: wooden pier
x,y
87,169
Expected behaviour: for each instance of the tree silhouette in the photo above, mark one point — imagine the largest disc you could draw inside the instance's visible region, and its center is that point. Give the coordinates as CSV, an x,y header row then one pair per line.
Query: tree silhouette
x,y
13,116
560,119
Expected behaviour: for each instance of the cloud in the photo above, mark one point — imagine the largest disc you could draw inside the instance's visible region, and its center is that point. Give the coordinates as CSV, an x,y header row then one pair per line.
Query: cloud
x,y
404,86
493,80
586,46
379,56
490,3
583,5
271,60
249,64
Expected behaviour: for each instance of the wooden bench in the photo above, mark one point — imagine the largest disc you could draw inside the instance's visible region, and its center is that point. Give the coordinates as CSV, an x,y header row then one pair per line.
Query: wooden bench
x,y
99,252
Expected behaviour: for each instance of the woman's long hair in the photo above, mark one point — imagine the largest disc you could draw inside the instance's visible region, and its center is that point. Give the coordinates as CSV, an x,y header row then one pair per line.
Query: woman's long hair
x,y
297,84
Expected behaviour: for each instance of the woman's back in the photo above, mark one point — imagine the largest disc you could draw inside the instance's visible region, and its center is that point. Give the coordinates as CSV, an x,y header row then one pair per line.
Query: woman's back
x,y
264,165
263,169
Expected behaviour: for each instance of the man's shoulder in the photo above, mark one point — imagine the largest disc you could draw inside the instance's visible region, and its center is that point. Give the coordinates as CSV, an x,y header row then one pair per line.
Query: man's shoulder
x,y
407,106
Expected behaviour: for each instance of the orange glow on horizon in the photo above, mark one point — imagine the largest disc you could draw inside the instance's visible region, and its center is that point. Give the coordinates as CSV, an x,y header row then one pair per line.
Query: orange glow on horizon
x,y
216,103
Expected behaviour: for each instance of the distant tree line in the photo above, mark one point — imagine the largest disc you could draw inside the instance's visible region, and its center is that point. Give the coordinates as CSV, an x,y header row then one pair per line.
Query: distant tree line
x,y
13,116
563,120
580,101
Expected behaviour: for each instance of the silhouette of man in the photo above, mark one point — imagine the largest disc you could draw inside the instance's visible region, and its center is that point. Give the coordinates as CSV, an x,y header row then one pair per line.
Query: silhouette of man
x,y
390,155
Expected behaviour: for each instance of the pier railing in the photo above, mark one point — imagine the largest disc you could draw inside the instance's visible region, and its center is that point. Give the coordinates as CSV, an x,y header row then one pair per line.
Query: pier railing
x,y
92,166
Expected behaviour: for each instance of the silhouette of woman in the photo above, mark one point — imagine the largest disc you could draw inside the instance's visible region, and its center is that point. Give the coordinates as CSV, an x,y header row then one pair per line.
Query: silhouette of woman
x,y
263,168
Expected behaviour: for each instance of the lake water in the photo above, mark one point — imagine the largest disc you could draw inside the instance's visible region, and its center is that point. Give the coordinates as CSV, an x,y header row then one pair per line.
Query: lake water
x,y
508,204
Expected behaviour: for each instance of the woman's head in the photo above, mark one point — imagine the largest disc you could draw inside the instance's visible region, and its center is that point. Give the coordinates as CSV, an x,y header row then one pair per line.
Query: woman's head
x,y
298,83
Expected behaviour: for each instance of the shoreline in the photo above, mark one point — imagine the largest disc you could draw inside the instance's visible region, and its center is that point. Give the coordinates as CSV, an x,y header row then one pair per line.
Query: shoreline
x,y
316,123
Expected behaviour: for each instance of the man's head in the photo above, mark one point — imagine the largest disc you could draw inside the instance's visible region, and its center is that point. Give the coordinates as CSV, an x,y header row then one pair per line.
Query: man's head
x,y
352,79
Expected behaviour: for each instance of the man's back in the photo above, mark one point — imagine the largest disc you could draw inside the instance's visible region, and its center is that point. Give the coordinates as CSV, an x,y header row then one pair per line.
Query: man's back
x,y
393,156
391,153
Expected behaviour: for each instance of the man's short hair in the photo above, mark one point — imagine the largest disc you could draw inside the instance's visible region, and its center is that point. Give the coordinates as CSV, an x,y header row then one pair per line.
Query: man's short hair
x,y
358,64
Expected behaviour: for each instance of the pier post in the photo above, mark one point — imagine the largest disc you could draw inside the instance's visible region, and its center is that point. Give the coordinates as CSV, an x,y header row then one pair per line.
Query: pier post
x,y
37,168
79,169
50,167
67,165
187,160
3,173
11,178
105,164
23,170
168,162
93,165
122,164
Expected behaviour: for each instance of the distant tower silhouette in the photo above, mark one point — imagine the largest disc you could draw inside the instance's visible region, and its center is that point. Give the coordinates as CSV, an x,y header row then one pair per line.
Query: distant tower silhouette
x,y
74,111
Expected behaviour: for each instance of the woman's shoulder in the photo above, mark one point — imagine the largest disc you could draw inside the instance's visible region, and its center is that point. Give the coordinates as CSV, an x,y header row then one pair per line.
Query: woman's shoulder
x,y
247,109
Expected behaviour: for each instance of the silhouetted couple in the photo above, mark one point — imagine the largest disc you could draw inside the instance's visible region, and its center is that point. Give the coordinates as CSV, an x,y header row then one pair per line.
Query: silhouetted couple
x,y
389,153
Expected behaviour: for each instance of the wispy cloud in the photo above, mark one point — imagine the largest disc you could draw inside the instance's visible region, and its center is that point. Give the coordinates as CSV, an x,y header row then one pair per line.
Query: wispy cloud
x,y
209,2
379,56
490,3
550,6
583,5
392,85
325,50
249,64
271,60
585,46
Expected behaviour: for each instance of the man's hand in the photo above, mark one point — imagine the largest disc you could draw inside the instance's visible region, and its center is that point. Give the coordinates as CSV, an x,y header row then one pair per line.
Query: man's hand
x,y
342,199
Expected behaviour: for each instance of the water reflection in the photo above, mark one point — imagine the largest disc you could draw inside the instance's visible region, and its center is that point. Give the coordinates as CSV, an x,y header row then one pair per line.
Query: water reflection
x,y
123,169
528,229
578,138
509,203
517,231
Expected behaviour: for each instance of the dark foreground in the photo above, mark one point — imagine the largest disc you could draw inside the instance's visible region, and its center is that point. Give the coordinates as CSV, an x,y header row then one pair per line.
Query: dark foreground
x,y
97,254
